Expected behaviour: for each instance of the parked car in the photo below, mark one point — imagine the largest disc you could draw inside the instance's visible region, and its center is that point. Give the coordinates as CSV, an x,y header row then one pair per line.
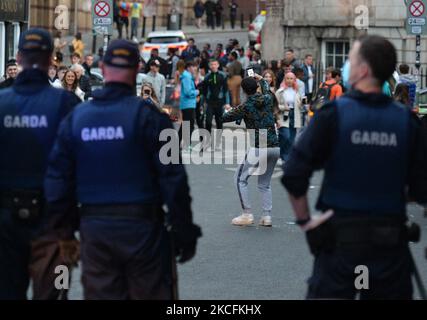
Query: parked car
x,y
164,40
422,102
255,28
96,79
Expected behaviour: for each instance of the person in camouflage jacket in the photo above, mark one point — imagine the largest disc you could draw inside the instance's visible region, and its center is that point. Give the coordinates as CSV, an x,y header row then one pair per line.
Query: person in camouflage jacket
x,y
259,114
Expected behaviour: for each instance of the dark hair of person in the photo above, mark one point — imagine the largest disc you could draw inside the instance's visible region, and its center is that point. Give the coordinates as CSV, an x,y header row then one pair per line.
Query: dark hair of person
x,y
274,66
308,55
78,36
380,55
214,60
249,86
190,64
11,64
335,73
298,71
290,50
234,54
404,68
61,68
401,94
75,54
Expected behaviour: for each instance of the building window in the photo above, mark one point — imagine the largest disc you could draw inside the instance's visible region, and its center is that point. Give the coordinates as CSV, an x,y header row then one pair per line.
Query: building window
x,y
335,53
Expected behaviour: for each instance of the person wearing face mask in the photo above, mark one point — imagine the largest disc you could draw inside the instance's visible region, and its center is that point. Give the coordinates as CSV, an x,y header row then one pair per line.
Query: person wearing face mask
x,y
372,150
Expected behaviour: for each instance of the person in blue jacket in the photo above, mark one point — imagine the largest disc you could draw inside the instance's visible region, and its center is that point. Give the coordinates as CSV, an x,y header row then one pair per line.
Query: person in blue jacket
x,y
107,159
30,114
188,103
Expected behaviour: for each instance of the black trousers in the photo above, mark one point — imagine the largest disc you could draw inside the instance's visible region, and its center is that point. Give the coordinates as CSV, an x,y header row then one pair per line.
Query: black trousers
x,y
233,21
200,116
211,21
218,20
188,118
214,109
22,258
389,274
133,263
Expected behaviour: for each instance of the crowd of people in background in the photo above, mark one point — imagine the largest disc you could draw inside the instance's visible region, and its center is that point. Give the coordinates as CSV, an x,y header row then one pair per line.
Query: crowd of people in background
x,y
205,81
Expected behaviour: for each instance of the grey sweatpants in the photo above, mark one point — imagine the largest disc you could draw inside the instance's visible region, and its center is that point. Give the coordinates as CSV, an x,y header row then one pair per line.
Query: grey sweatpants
x,y
261,163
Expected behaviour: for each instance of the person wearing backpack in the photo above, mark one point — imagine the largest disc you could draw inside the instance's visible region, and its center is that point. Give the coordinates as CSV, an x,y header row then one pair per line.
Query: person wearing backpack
x,y
328,91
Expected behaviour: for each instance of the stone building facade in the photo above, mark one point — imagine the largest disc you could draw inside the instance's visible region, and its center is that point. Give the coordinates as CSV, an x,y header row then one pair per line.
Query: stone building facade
x,y
327,28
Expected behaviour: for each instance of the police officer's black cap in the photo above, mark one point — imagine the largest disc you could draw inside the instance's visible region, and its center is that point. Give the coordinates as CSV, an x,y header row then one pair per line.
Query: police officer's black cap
x,y
35,40
122,54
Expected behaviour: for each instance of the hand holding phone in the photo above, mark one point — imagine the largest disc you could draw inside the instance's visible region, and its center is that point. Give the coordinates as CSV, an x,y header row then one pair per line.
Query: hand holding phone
x,y
251,73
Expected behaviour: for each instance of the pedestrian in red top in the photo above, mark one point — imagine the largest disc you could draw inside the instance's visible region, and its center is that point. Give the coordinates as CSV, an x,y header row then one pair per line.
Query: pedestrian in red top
x,y
124,17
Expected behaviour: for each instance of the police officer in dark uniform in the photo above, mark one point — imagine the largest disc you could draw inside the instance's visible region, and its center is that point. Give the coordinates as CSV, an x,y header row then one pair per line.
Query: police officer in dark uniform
x,y
30,114
372,151
107,157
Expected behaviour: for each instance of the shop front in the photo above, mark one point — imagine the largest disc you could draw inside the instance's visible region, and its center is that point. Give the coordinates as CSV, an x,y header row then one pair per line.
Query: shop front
x,y
13,20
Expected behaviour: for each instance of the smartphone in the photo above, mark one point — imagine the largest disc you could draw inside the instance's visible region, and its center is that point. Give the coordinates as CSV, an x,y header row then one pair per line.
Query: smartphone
x,y
251,73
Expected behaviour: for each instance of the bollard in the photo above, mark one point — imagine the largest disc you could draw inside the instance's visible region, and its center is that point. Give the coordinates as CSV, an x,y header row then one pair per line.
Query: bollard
x,y
168,27
94,44
242,21
180,21
154,23
251,18
223,22
144,24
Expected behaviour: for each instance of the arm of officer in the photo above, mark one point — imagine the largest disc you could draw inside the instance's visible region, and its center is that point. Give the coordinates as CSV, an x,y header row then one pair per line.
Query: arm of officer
x,y
62,217
173,182
309,154
417,171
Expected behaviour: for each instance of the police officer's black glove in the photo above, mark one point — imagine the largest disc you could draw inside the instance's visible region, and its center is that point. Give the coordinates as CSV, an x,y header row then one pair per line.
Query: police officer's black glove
x,y
185,241
186,254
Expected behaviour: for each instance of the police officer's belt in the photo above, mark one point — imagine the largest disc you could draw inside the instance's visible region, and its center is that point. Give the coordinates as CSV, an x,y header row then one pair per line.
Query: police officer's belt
x,y
139,211
362,232
381,233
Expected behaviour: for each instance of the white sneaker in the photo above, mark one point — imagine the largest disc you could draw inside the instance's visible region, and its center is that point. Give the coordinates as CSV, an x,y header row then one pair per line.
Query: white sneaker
x,y
266,221
243,220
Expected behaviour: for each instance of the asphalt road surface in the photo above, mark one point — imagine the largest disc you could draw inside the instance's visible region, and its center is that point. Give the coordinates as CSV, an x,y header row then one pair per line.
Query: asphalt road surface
x,y
250,262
